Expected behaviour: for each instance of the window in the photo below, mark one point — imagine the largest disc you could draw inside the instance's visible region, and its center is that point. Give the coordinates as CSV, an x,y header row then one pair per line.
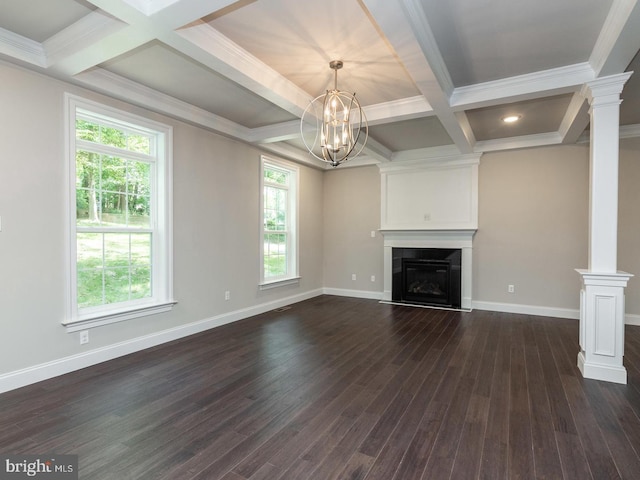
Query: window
x,y
120,215
279,250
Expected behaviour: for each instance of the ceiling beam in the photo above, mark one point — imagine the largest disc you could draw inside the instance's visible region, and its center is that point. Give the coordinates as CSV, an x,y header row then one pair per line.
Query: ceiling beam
x,y
619,39
617,44
529,86
136,29
90,29
575,120
410,35
381,113
524,141
204,43
398,110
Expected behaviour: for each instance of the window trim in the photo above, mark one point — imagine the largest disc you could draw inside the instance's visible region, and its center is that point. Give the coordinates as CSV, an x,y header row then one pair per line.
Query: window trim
x,y
162,260
293,276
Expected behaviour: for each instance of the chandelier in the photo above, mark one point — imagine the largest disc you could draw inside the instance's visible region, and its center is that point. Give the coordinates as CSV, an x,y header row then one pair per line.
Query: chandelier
x,y
340,126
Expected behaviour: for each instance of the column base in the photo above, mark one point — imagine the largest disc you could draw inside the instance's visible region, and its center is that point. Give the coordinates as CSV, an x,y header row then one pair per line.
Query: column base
x,y
602,326
605,373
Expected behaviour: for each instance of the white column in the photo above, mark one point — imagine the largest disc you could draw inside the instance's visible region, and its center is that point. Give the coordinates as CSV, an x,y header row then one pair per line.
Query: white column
x,y
602,297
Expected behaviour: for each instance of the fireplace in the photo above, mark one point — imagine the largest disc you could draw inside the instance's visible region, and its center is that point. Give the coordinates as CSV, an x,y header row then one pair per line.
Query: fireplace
x,y
431,255
427,276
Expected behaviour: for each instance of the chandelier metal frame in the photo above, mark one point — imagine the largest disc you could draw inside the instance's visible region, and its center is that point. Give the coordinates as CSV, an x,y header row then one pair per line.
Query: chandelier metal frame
x,y
341,129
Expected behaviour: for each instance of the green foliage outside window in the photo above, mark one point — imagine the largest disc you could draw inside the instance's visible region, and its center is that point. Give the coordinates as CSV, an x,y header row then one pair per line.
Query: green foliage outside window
x,y
113,192
113,267
275,200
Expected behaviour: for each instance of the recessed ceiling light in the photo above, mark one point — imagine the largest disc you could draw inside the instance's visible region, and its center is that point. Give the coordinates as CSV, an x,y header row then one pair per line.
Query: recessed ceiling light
x,y
511,118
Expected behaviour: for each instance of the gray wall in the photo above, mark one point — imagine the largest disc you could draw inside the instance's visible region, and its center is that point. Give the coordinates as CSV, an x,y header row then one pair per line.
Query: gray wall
x,y
532,226
216,183
629,220
351,212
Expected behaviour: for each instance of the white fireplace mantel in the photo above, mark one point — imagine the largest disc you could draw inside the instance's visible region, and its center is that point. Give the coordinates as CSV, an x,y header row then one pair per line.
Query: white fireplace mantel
x,y
462,239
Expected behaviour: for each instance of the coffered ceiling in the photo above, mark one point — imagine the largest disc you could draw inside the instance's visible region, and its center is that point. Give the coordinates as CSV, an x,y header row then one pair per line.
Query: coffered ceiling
x,y
435,77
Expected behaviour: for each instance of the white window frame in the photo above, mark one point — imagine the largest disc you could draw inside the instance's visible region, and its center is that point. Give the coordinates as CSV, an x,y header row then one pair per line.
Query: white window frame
x,y
292,276
161,299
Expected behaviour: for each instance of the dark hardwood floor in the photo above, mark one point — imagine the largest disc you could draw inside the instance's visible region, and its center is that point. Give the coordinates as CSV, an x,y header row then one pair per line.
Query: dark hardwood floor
x,y
342,388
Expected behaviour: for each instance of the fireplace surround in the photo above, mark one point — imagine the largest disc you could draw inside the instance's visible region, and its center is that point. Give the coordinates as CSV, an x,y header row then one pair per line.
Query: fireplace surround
x,y
452,248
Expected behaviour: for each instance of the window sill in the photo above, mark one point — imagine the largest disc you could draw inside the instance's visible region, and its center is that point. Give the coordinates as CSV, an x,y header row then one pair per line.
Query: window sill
x,y
279,283
106,318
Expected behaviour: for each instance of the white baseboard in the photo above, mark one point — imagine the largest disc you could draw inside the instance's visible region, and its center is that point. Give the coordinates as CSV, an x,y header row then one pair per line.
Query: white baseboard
x,y
527,309
631,319
44,371
353,293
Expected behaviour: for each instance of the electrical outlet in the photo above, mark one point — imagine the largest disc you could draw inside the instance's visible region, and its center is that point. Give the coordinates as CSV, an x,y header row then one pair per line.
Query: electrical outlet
x,y
227,295
84,337
353,276
511,289
373,278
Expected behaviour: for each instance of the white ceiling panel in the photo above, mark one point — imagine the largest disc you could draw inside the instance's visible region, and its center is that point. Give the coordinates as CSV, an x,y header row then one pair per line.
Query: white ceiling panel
x,y
161,68
484,40
299,38
542,115
40,19
411,134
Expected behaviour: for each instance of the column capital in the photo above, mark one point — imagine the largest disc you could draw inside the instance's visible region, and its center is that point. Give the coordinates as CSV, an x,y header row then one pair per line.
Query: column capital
x,y
607,89
618,279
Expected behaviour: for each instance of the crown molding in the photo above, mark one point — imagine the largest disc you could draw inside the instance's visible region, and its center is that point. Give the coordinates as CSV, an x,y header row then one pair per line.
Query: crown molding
x,y
422,153
277,132
359,161
523,87
377,151
294,154
630,131
524,141
86,31
22,48
121,88
626,131
432,159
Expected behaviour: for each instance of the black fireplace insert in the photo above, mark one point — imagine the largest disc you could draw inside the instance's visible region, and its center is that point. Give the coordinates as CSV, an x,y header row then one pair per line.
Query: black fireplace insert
x,y
427,276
